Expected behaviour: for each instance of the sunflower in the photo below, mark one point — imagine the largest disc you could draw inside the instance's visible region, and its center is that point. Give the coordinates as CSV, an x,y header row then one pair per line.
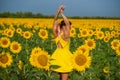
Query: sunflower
x,y
35,50
32,30
5,59
94,33
10,33
12,28
83,48
36,27
115,43
20,64
15,47
90,43
40,60
107,33
27,34
98,29
100,35
118,31
84,32
72,32
118,50
5,42
116,35
106,70
5,31
81,61
90,32
111,27
43,34
112,32
106,39
29,26
79,35
19,31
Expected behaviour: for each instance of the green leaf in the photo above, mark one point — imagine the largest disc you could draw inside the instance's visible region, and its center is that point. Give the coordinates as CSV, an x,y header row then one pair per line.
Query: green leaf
x,y
54,66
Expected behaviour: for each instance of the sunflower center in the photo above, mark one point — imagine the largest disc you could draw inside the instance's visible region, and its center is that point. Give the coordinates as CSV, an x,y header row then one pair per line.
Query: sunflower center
x,y
90,43
43,33
4,42
106,39
19,30
26,34
115,44
42,59
100,35
118,32
106,70
90,32
84,32
80,60
72,31
9,33
4,59
15,47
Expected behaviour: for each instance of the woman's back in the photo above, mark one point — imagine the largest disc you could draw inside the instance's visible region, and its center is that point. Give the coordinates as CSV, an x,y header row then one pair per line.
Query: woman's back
x,y
61,43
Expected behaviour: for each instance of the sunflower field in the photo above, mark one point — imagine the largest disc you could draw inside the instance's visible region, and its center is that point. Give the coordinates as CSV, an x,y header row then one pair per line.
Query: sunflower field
x,y
27,44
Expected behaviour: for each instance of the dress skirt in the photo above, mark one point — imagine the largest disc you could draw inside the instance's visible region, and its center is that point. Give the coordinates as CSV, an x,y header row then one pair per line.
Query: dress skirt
x,y
62,57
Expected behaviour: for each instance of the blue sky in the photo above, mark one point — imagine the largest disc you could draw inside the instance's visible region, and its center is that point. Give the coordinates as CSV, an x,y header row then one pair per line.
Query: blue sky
x,y
73,7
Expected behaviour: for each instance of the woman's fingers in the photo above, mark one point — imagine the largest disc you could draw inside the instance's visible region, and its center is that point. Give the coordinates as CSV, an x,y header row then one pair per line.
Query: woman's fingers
x,y
62,7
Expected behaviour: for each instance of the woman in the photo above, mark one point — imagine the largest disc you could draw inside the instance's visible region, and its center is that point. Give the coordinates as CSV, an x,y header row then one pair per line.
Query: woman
x,y
62,55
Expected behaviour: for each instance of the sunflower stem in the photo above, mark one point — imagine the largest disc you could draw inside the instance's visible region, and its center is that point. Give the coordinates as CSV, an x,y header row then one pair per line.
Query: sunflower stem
x,y
108,76
26,49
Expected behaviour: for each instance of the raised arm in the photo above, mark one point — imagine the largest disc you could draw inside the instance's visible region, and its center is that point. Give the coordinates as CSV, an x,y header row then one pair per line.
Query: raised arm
x,y
65,19
55,23
67,28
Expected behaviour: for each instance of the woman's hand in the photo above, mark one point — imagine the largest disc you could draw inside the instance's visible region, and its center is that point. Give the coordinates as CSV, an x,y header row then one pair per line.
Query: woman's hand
x,y
61,8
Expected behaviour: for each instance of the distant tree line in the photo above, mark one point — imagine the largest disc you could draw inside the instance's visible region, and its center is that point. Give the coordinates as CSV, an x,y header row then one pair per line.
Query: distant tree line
x,y
39,15
23,15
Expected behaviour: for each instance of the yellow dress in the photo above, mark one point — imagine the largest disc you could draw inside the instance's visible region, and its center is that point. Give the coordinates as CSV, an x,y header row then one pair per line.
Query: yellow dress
x,y
62,56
